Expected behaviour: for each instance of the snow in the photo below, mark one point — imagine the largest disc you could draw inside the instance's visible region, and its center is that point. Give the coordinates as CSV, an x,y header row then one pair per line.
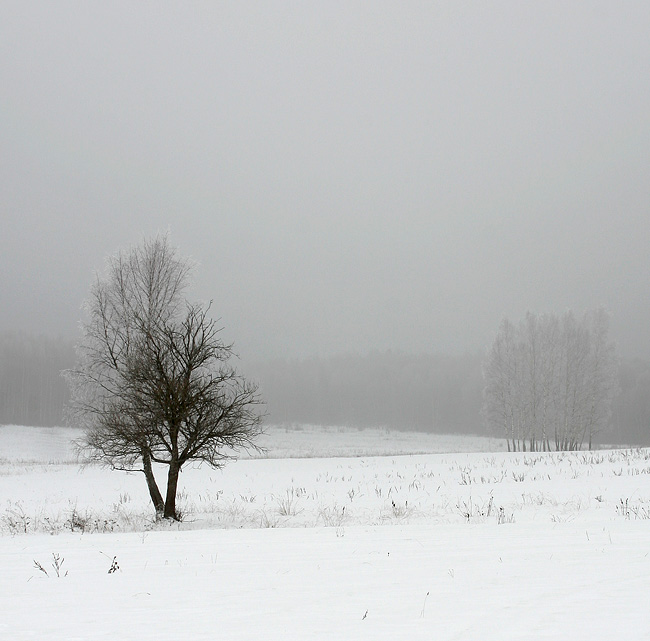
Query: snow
x,y
431,546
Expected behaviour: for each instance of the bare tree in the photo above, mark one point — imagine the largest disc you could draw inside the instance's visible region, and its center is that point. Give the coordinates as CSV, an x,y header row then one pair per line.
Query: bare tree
x,y
603,376
502,379
153,384
550,378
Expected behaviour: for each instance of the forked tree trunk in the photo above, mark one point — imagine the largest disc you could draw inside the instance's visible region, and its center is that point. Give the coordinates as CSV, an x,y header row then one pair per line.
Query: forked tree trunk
x,y
154,492
172,484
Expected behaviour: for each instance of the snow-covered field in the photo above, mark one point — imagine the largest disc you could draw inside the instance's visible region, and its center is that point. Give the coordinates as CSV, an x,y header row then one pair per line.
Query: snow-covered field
x,y
384,539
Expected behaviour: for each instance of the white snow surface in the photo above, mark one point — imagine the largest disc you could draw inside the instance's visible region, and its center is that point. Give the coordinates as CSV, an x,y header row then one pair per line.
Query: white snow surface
x,y
474,546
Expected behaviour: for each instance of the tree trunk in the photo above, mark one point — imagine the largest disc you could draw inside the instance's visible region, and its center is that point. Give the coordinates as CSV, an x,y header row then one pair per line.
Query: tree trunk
x,y
172,484
154,492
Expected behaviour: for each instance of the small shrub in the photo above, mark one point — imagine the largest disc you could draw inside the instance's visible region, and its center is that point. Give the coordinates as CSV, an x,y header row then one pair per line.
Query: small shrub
x,y
78,522
267,521
401,511
15,519
287,505
469,510
332,516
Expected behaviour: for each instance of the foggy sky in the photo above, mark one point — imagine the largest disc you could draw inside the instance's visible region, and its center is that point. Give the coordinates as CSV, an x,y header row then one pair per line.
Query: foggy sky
x,y
347,176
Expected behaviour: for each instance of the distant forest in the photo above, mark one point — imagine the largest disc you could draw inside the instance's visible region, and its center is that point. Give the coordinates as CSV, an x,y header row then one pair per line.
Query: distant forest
x,y
440,394
32,390
430,393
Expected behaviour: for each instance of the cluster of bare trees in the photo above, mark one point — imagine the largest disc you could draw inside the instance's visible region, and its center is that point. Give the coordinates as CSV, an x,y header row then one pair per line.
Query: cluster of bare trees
x,y
550,381
153,384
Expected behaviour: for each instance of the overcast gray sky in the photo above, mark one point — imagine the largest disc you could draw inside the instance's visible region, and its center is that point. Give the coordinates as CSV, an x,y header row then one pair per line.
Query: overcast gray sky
x,y
347,176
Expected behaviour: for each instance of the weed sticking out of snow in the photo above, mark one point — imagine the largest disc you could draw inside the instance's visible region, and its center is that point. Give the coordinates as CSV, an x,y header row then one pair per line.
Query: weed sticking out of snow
x,y
56,564
633,509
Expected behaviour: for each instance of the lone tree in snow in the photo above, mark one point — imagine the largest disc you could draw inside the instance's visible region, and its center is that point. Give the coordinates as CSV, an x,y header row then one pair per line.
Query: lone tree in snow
x,y
153,384
550,382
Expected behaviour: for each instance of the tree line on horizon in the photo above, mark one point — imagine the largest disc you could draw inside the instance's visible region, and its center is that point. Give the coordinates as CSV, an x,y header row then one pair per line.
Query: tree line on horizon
x,y
426,392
